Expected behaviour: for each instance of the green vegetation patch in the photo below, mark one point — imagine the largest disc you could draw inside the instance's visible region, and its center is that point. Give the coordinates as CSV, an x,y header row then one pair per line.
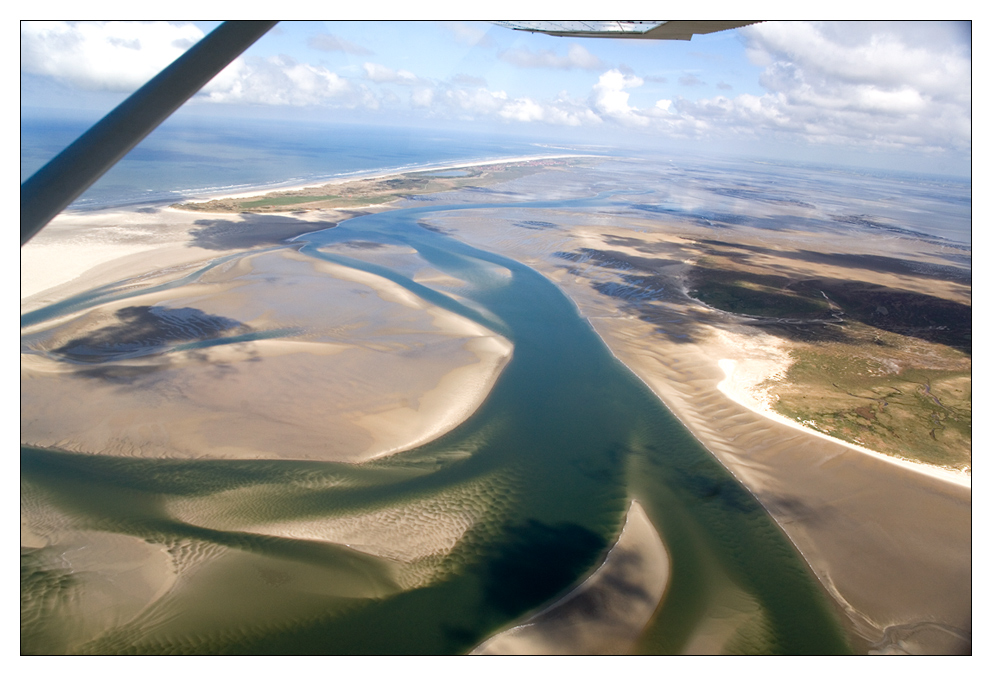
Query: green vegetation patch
x,y
886,368
896,395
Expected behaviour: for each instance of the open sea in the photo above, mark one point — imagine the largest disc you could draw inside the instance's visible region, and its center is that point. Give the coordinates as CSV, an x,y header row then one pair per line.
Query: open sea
x,y
189,156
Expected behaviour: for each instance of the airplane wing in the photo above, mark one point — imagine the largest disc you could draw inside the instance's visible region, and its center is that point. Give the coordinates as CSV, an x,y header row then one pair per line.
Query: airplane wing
x,y
642,30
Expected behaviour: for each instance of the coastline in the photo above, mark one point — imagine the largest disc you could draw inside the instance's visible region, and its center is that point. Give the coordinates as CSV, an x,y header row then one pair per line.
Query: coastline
x,y
384,173
74,243
840,509
744,394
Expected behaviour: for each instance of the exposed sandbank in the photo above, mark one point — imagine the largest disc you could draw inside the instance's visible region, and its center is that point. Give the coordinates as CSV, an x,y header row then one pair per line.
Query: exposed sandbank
x,y
346,389
606,613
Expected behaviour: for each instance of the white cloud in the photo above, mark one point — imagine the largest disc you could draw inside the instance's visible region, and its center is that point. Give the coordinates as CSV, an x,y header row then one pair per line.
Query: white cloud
x,y
610,100
886,85
111,56
483,103
480,101
422,97
326,42
577,57
381,74
279,80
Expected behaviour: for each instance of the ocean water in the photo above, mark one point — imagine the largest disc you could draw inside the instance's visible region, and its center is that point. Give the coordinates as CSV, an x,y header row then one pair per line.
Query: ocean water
x,y
191,156
188,156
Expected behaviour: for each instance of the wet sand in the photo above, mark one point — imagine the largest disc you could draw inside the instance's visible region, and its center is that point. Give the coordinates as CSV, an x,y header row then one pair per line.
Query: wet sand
x,y
373,371
606,613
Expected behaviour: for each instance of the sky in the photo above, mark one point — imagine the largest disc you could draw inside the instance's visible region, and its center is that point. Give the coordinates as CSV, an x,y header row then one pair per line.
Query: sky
x,y
894,95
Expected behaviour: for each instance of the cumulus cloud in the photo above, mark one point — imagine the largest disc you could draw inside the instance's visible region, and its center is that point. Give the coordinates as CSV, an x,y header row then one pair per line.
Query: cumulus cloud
x,y
422,97
886,84
381,74
279,80
577,57
109,56
326,42
610,98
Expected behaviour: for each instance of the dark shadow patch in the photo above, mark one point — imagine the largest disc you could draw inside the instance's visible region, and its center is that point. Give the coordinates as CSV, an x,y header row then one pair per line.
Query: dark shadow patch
x,y
907,313
639,244
251,230
362,244
535,225
636,288
433,228
868,221
872,262
756,295
537,561
145,330
615,260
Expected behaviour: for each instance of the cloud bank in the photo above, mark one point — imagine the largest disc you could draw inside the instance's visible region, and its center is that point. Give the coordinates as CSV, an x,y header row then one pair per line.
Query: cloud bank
x,y
884,85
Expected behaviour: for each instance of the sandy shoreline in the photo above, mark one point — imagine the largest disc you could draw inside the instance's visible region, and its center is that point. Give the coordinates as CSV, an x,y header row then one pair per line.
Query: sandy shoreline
x,y
76,242
745,391
381,174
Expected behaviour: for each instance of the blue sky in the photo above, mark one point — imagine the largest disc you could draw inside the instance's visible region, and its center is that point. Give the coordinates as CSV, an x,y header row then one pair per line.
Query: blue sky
x,y
895,95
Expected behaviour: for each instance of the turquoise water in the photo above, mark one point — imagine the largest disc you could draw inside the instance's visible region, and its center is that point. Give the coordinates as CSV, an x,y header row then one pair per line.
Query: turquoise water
x,y
549,462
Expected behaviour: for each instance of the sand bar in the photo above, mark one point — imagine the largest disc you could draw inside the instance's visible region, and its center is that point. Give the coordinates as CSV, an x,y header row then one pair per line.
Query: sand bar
x,y
606,613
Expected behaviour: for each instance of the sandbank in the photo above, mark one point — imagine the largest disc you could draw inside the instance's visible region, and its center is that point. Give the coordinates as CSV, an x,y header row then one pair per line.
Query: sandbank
x,y
339,386
606,613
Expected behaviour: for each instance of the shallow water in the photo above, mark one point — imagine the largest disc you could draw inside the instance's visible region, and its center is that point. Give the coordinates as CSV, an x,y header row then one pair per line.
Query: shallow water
x,y
535,483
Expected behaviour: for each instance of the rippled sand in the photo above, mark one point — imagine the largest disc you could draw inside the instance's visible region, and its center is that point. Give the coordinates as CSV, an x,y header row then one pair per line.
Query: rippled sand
x,y
607,612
